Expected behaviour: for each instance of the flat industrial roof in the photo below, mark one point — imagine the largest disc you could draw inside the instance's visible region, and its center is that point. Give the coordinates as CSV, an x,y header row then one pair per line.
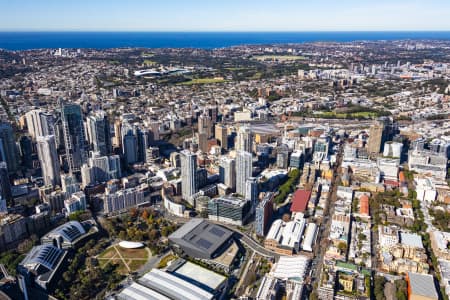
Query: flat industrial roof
x,y
291,267
411,239
192,271
201,235
173,286
423,285
139,292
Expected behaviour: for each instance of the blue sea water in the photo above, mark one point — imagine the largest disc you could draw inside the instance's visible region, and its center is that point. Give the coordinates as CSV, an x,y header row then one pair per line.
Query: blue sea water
x,y
206,40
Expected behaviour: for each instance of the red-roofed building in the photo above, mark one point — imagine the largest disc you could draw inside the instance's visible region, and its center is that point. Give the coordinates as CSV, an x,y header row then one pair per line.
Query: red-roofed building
x,y
391,183
364,205
300,201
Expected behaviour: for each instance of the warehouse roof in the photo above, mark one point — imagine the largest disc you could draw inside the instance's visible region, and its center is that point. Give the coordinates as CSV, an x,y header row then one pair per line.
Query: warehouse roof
x,y
291,267
138,292
422,285
173,287
411,239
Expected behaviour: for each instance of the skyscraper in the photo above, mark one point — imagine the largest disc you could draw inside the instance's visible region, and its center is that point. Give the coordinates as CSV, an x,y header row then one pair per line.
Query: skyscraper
x,y
26,151
263,214
8,151
221,134
376,138
5,185
251,190
243,171
48,157
102,168
99,134
188,175
40,123
134,143
74,136
227,172
244,139
142,143
202,141
205,125
129,144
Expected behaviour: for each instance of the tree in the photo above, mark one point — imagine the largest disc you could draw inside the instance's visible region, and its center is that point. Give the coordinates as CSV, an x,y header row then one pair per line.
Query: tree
x,y
379,283
133,212
145,215
122,235
286,217
401,287
342,246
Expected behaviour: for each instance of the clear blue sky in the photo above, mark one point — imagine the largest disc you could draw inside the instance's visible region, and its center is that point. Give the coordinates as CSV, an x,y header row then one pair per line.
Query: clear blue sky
x,y
224,15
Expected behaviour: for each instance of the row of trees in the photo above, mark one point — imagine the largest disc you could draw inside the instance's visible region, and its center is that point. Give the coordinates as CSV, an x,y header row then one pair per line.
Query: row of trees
x,y
288,187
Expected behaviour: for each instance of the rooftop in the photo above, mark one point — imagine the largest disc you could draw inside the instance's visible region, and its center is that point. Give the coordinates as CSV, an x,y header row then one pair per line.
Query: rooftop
x,y
300,200
291,267
194,273
422,285
201,236
173,287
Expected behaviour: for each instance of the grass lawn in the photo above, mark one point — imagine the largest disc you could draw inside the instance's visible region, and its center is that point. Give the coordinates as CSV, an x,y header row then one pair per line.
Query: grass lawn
x,y
128,260
203,81
163,262
108,253
133,253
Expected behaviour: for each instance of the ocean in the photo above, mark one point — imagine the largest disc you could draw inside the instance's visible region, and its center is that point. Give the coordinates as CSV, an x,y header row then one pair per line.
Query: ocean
x,y
205,40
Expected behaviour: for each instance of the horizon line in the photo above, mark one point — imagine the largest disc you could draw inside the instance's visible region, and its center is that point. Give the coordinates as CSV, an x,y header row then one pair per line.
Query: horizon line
x,y
216,31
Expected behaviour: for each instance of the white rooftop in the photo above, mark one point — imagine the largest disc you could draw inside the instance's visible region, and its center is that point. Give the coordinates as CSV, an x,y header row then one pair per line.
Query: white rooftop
x,y
202,275
138,292
291,267
411,239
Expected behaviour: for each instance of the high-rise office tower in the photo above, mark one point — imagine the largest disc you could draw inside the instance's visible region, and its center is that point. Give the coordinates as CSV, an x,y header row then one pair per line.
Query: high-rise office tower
x,y
8,151
87,175
154,131
40,123
117,140
221,134
100,167
251,190
5,185
205,125
99,132
69,184
129,144
376,138
188,175
26,151
201,179
142,143
74,136
244,139
48,157
212,112
263,214
244,162
104,168
202,141
227,172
